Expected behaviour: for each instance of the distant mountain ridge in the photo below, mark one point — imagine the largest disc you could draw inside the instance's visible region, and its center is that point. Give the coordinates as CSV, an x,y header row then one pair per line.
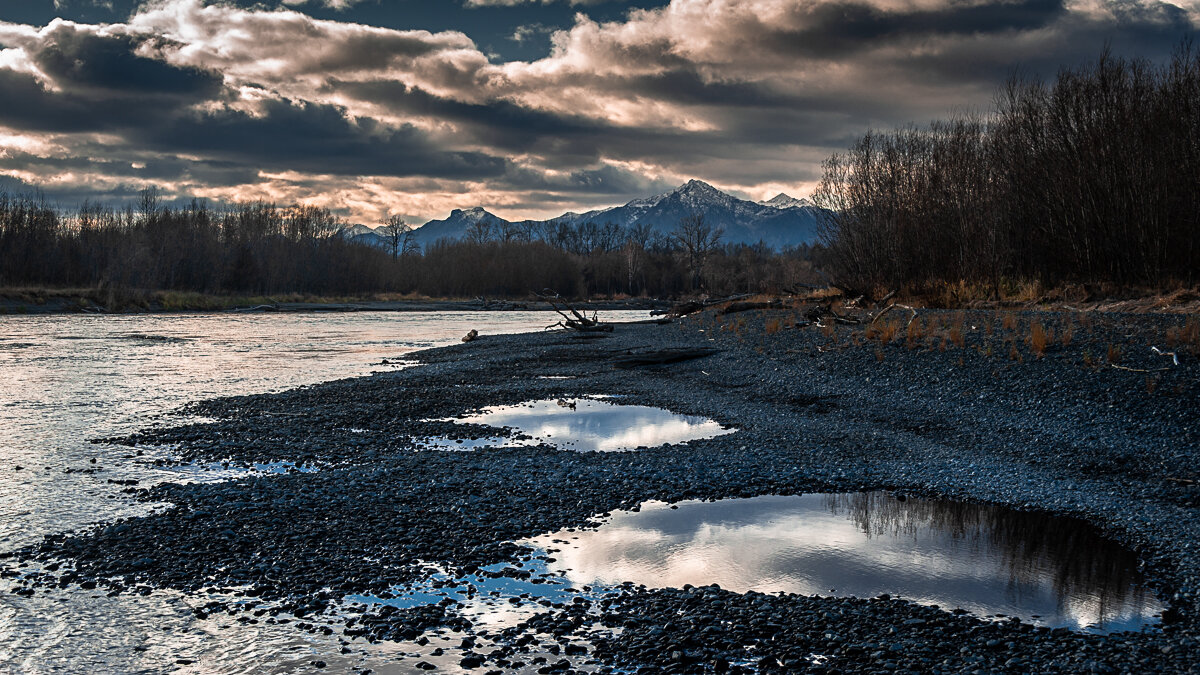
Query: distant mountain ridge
x,y
778,222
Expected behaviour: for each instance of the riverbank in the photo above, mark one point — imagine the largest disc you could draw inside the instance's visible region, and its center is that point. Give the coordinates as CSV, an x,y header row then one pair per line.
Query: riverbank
x,y
124,301
970,406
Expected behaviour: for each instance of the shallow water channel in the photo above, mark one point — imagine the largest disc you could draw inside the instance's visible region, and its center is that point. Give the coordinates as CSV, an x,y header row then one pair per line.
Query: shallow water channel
x,y
988,560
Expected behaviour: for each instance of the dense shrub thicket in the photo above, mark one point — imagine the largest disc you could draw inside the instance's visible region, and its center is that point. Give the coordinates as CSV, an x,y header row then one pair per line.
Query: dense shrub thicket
x,y
1094,177
259,248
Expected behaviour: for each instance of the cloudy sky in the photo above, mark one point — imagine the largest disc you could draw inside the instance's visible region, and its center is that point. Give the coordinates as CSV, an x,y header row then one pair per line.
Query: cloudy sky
x,y
527,107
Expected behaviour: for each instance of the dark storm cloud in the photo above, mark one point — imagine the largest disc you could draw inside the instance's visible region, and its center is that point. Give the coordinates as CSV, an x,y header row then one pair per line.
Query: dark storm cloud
x,y
757,116
748,94
316,138
109,64
29,105
135,168
97,83
503,123
686,85
66,197
1152,32
601,181
836,29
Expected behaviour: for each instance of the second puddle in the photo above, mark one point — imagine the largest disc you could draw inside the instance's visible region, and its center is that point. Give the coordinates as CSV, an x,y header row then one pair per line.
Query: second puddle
x,y
988,560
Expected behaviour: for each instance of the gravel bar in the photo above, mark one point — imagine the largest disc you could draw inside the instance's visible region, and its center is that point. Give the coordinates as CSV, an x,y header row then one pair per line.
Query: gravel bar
x,y
970,415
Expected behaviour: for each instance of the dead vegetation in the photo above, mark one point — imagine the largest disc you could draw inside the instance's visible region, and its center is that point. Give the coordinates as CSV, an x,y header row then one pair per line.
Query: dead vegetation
x,y
1007,336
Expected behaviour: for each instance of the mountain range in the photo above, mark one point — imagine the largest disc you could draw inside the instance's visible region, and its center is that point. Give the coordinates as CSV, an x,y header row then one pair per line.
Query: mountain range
x,y
778,222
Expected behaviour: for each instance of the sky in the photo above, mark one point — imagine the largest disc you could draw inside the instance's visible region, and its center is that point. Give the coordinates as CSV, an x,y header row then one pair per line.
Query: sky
x,y
527,107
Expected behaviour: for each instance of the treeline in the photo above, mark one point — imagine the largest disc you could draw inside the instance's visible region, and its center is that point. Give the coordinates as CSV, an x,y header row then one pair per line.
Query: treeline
x,y
251,248
1090,178
259,248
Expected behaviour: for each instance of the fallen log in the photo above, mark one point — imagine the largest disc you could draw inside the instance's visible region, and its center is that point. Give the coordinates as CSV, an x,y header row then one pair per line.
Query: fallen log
x,y
660,357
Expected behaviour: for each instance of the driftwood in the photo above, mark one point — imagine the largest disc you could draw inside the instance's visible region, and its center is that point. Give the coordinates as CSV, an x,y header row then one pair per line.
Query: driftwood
x,y
471,336
499,304
892,306
662,356
257,308
1157,352
693,306
574,320
794,289
735,307
818,313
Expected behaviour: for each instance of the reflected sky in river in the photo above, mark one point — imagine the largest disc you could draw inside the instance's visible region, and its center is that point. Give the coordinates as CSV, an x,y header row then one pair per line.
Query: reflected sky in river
x,y
984,559
597,425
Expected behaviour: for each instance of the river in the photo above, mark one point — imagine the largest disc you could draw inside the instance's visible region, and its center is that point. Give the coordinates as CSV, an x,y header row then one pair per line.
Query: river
x,y
66,379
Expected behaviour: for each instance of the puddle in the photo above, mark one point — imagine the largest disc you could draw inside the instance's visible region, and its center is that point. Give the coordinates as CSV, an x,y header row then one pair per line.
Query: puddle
x,y
496,598
592,424
990,561
213,472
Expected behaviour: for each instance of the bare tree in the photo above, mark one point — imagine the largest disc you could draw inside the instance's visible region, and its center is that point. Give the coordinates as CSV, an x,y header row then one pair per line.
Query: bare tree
x,y
149,201
399,236
698,241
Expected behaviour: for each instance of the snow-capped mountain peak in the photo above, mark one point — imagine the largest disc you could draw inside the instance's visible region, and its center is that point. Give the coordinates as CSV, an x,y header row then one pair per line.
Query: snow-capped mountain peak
x,y
473,214
774,222
785,201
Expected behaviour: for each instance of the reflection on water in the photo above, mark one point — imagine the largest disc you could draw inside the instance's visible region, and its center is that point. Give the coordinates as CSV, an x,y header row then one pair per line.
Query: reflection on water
x,y
496,598
65,379
985,559
597,425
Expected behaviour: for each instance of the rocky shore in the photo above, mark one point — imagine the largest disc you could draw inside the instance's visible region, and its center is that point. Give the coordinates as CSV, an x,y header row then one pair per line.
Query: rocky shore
x,y
974,406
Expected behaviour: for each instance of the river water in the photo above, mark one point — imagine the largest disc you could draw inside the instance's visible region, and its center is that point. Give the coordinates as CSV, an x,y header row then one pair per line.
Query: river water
x,y
67,379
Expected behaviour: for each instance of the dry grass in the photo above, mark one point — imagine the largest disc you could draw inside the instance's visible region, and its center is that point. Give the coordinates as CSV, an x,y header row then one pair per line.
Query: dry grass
x,y
1029,291
956,334
1085,320
829,330
1039,338
1010,322
914,333
772,326
1068,334
1113,354
1187,335
883,332
1014,354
